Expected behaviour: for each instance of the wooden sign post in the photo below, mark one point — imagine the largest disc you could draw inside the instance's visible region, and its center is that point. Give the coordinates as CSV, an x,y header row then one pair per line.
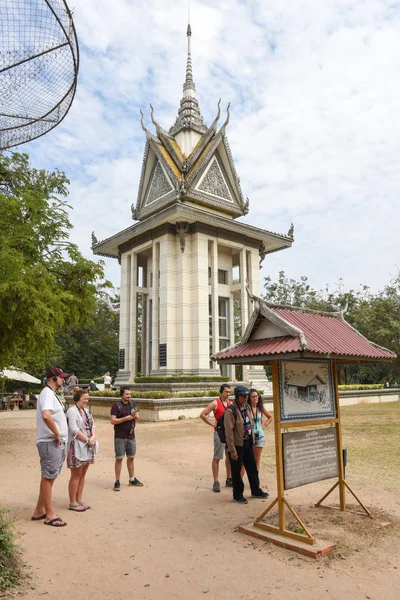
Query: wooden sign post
x,y
311,455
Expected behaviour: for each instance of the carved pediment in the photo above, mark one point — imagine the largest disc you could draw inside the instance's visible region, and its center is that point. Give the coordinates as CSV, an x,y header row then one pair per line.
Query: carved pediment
x,y
213,181
159,185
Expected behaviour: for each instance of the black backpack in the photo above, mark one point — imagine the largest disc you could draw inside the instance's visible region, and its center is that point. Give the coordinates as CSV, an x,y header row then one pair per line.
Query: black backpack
x,y
132,407
221,425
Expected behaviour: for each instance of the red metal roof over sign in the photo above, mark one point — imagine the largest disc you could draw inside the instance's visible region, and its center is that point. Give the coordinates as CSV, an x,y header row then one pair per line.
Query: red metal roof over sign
x,y
324,335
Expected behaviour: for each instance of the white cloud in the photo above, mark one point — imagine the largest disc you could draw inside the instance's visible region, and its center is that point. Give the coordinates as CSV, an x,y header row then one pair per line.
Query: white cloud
x,y
314,96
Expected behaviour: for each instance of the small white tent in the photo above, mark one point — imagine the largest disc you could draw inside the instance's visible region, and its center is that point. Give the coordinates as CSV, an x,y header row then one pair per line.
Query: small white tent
x,y
18,375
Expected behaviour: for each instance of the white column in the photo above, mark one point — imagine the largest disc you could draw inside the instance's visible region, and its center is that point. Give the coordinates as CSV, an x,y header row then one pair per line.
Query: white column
x,y
124,320
256,373
243,293
184,362
199,296
132,365
155,293
168,299
214,299
243,300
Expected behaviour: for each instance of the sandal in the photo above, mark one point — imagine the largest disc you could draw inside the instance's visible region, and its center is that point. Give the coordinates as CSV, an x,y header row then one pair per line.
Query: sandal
x,y
56,522
38,518
85,506
77,507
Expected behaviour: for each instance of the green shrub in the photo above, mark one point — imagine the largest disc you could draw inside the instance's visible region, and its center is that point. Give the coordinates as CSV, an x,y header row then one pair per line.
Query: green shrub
x,y
198,394
179,379
157,394
106,393
360,386
10,574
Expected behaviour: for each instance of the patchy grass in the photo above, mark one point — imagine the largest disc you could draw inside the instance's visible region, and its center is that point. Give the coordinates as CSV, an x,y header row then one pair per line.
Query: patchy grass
x,y
10,574
370,433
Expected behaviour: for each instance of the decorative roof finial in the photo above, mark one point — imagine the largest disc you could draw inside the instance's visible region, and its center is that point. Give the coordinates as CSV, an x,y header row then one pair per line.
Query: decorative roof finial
x,y
149,135
189,116
228,114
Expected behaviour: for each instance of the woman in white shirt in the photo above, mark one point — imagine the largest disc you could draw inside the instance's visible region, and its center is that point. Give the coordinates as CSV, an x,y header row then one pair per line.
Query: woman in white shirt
x,y
81,448
107,380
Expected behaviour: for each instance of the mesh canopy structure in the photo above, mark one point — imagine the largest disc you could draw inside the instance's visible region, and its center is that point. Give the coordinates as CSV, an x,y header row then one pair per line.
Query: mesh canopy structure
x,y
39,61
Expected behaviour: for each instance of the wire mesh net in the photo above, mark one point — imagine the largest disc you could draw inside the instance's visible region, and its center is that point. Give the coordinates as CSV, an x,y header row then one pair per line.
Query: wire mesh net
x,y
39,60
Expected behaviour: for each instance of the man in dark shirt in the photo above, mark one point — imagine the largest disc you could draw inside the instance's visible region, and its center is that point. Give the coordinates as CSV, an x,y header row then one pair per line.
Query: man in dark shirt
x,y
239,430
124,415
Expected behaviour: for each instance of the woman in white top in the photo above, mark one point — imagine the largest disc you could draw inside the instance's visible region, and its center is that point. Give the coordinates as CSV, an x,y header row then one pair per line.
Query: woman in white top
x,y
81,448
107,380
258,409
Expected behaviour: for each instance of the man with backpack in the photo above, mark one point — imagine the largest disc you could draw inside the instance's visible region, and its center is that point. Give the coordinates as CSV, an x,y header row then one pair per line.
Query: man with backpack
x,y
218,407
239,433
124,415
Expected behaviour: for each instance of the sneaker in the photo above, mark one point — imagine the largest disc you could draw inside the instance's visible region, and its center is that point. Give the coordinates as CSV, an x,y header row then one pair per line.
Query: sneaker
x,y
241,500
117,486
216,486
261,494
136,482
228,482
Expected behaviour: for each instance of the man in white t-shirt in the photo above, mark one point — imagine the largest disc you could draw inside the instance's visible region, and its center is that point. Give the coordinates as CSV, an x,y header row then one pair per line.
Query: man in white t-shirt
x,y
52,434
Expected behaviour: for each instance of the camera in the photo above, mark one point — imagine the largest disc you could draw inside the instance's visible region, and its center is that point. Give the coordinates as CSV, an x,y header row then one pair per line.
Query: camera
x,y
256,436
132,423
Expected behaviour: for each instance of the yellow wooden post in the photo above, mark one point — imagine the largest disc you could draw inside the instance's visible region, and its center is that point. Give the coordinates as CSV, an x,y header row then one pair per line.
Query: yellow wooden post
x,y
342,486
278,446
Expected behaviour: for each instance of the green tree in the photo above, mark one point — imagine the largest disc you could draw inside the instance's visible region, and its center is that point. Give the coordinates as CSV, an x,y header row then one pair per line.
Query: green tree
x,y
293,292
45,283
92,350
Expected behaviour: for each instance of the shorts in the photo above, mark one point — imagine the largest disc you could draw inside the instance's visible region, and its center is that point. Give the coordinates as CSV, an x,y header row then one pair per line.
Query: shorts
x,y
52,458
260,443
124,446
219,447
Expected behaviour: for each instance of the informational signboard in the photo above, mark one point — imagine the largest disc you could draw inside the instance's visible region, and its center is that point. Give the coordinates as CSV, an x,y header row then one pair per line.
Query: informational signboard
x,y
309,456
305,390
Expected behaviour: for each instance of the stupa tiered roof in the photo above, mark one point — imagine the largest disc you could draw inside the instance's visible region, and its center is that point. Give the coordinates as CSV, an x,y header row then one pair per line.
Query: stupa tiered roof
x,y
188,174
192,163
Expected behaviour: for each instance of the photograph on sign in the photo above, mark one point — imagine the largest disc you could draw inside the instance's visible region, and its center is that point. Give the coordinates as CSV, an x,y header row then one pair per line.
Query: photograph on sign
x,y
306,390
309,456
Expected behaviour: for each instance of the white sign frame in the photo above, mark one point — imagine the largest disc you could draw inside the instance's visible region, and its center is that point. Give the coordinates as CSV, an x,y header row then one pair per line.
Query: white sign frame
x,y
306,390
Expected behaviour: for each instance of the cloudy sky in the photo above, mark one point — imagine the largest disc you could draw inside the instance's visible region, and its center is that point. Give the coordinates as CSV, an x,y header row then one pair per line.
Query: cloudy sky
x,y
314,129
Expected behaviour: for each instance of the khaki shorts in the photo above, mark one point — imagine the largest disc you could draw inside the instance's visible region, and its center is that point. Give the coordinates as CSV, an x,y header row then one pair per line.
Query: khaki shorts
x,y
219,447
52,458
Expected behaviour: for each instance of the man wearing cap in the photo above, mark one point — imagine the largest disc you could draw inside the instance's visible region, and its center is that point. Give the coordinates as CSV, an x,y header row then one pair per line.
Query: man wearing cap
x,y
52,434
239,431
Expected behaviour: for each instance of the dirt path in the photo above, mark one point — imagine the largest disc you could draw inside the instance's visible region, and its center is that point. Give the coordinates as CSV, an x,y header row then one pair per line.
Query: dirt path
x,y
174,538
